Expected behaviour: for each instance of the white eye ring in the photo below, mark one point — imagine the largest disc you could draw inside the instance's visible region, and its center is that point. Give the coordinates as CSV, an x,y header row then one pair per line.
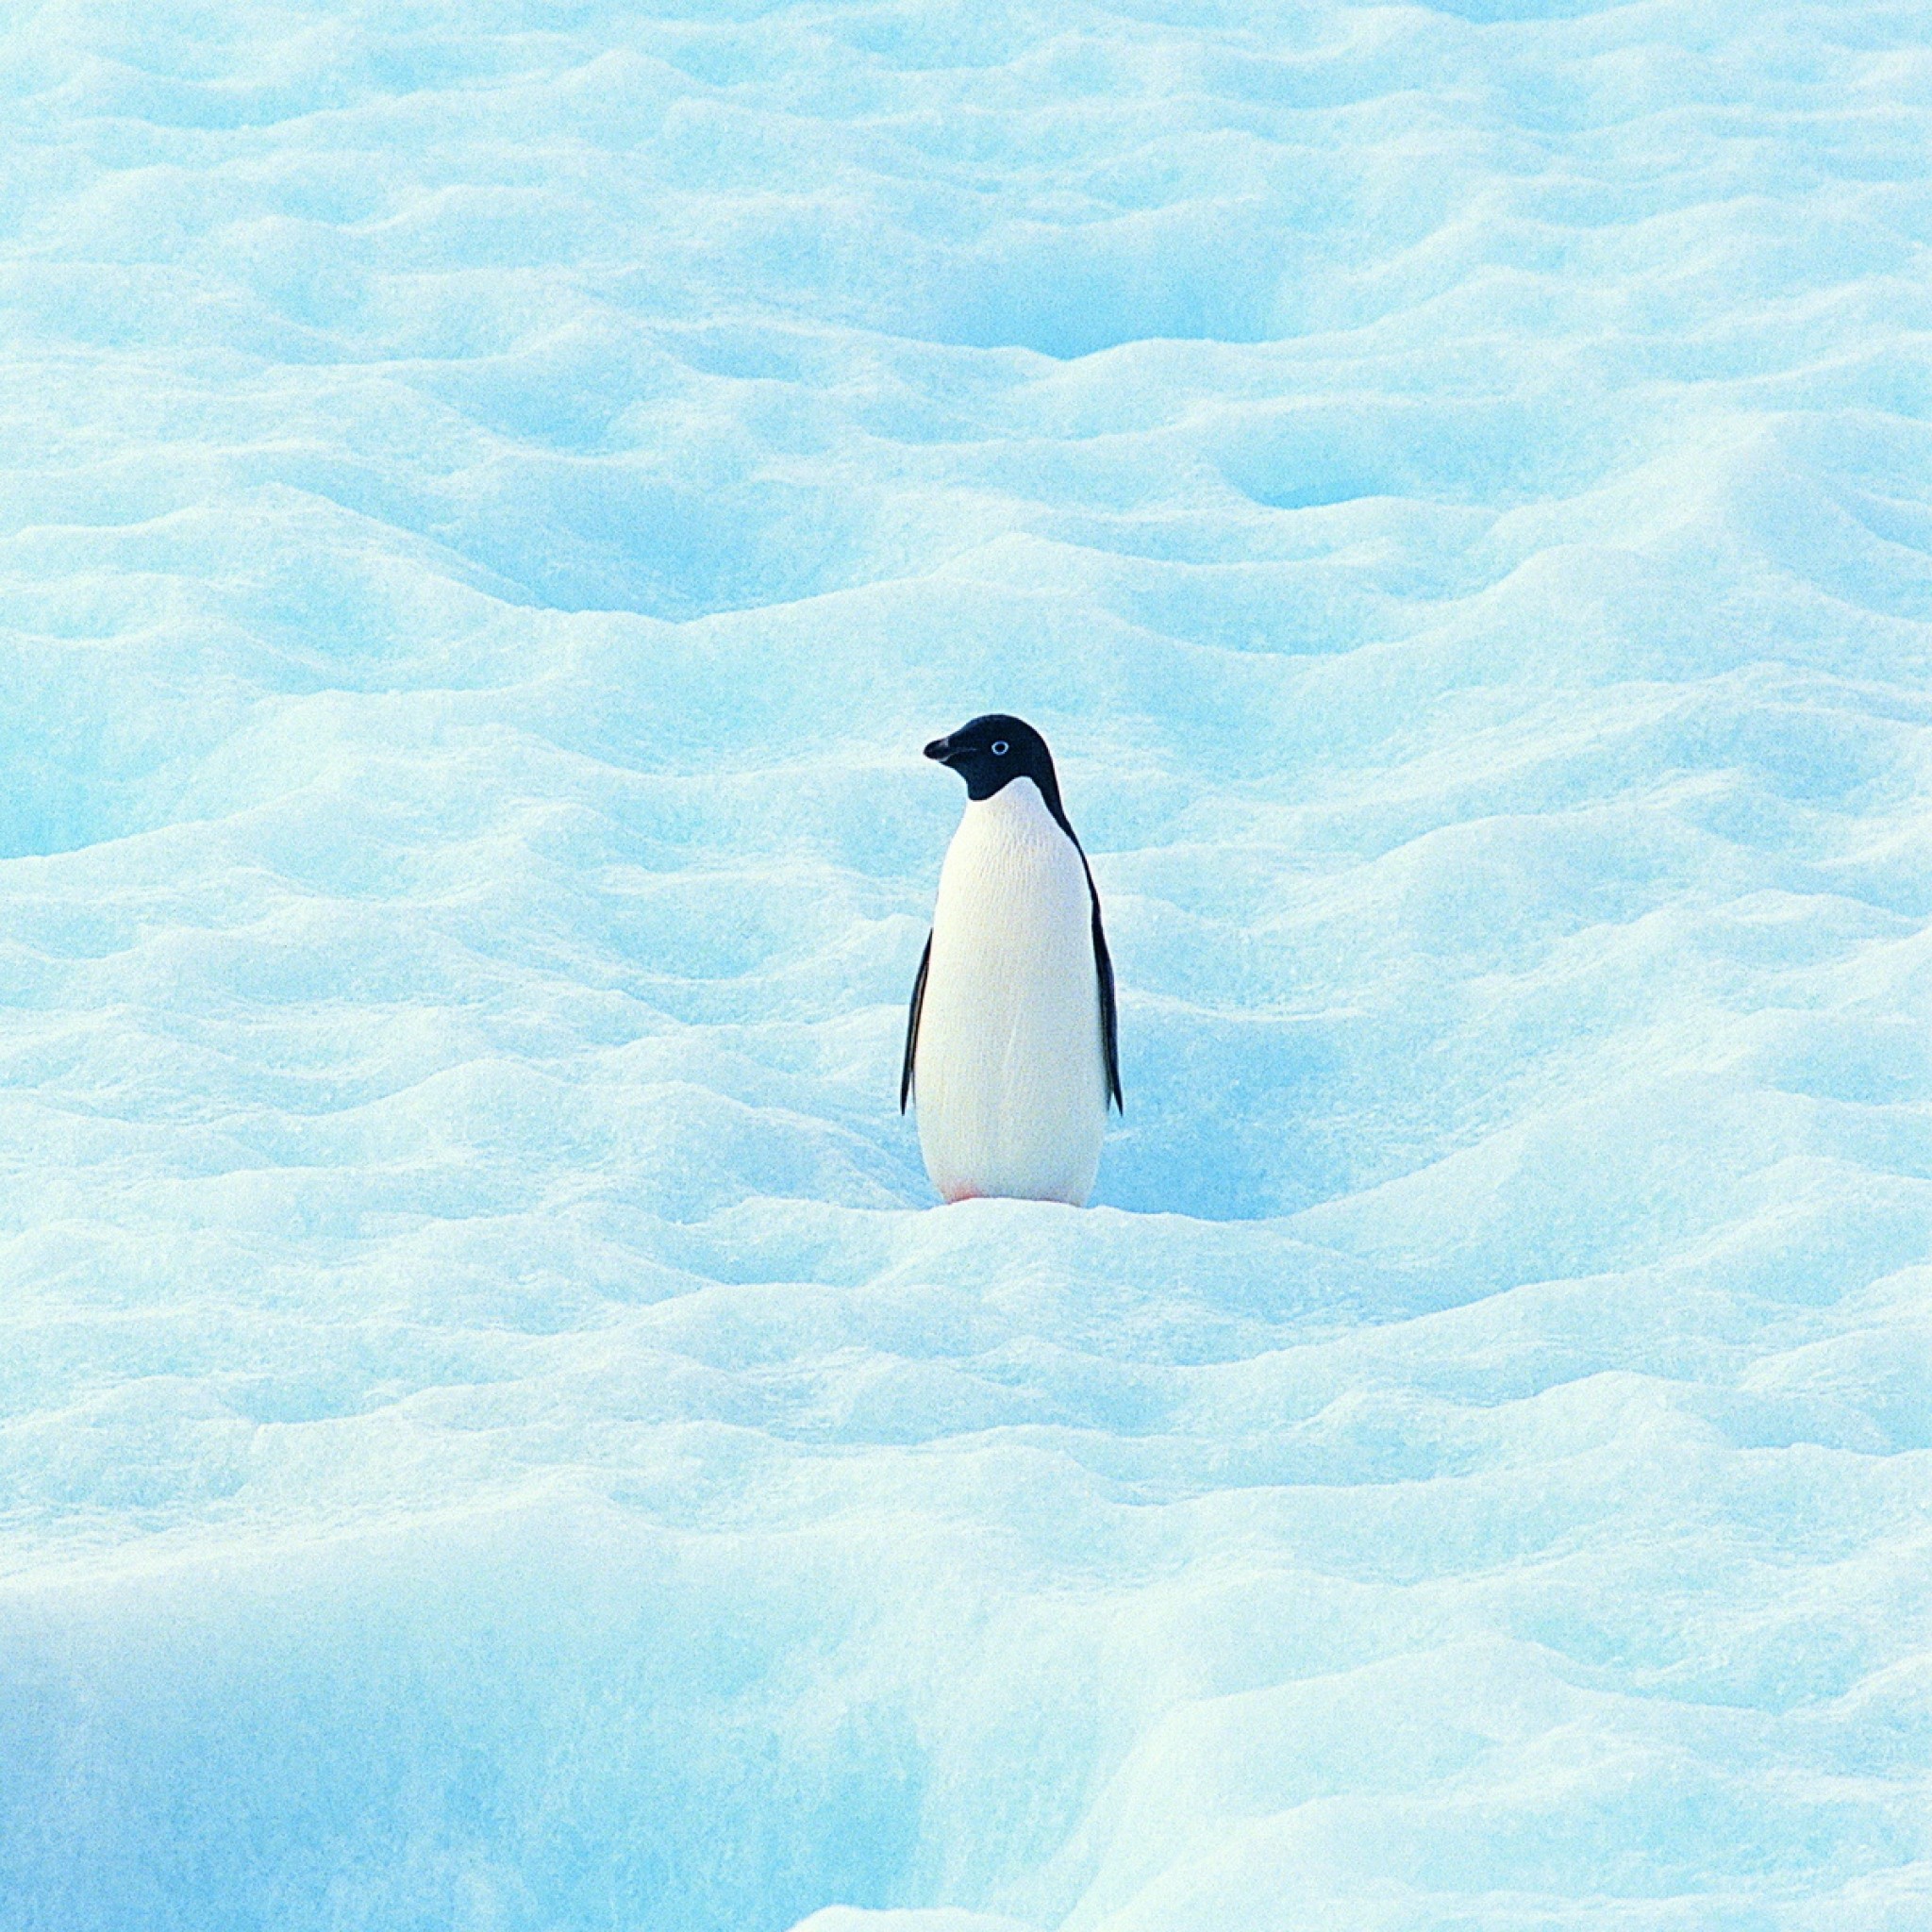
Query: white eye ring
x,y
999,748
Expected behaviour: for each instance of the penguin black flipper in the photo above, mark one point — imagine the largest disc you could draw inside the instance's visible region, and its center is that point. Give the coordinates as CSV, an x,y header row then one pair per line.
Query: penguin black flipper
x,y
919,1000
1110,1020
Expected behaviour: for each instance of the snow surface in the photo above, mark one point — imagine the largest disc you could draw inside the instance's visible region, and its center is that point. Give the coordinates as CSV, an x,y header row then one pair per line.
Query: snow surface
x,y
494,496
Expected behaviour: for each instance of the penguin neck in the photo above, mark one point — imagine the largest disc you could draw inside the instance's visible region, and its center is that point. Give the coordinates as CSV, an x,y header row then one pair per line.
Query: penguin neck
x,y
1015,810
1025,798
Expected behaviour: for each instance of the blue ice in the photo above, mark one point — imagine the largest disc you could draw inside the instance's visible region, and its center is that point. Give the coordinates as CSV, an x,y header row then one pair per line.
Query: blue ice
x,y
493,1434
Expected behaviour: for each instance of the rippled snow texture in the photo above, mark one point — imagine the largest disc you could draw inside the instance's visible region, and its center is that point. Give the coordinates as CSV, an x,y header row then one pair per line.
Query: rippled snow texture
x,y
494,496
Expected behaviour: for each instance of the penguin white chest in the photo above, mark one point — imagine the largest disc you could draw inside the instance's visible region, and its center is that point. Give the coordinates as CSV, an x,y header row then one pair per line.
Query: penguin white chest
x,y
1008,1067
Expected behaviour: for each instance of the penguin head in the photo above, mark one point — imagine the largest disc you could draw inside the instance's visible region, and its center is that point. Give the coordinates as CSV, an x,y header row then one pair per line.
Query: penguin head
x,y
991,751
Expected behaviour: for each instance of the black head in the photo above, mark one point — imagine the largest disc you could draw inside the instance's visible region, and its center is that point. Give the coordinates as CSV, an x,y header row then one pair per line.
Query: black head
x,y
991,751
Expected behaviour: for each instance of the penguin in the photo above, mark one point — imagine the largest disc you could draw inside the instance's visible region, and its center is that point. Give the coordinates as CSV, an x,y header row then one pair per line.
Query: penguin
x,y
1011,1043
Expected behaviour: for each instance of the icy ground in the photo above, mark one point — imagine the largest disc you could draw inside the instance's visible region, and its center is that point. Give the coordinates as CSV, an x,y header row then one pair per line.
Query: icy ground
x,y
494,496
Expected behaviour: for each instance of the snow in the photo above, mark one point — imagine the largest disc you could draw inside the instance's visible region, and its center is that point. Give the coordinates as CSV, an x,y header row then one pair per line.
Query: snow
x,y
493,1433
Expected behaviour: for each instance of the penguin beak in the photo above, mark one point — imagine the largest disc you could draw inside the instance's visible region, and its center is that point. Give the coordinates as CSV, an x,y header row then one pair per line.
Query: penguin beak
x,y
941,749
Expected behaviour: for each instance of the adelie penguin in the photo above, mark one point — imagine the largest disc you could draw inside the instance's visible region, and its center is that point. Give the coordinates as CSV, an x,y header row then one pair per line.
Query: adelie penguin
x,y
1011,1046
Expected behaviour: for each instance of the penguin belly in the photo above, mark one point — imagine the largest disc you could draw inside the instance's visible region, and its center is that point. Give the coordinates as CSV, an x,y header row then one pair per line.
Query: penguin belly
x,y
1007,1069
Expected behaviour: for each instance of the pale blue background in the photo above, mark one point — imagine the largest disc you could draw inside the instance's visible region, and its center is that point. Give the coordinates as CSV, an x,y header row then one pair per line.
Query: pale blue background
x,y
494,496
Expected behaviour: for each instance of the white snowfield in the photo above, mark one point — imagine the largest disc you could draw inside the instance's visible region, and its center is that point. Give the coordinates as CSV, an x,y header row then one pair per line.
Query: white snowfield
x,y
494,496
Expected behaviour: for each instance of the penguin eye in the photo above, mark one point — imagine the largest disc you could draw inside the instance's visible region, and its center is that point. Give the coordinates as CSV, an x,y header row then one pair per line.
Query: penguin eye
x,y
999,748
